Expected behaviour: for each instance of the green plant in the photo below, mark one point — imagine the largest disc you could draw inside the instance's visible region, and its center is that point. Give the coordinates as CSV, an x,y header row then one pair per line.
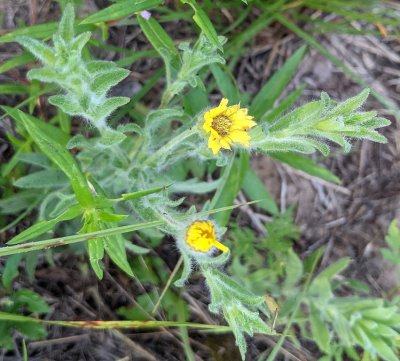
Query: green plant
x,y
393,241
21,301
127,178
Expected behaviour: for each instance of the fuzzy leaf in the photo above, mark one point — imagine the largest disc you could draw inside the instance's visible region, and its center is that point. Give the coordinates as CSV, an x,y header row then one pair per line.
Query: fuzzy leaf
x,y
44,75
109,106
96,67
40,50
79,42
67,104
66,25
103,82
43,179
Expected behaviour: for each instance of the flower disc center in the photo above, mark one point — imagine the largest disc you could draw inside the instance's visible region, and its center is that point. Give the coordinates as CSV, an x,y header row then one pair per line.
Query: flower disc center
x,y
221,124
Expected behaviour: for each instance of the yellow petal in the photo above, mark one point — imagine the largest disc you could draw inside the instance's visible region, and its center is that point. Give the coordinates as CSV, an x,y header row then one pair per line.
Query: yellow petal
x,y
225,143
214,145
241,137
219,109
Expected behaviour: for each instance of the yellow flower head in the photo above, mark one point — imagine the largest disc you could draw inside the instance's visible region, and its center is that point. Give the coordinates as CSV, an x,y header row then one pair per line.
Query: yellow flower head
x,y
227,125
201,237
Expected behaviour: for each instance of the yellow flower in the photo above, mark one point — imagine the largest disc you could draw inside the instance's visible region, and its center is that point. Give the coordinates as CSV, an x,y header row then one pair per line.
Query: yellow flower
x,y
227,125
200,236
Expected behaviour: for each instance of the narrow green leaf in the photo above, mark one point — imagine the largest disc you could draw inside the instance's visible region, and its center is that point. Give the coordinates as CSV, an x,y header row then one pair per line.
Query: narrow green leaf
x,y
225,82
96,254
110,105
43,179
139,194
120,10
13,89
255,189
285,104
35,159
34,302
293,270
10,270
60,156
45,226
56,133
66,26
320,331
40,31
306,165
204,23
158,37
115,248
335,268
19,202
271,91
231,182
23,59
103,82
39,49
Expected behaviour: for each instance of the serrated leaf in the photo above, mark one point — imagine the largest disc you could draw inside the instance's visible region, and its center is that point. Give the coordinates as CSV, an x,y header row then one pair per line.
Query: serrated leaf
x,y
350,104
103,82
95,67
111,137
67,104
66,25
40,50
110,105
79,42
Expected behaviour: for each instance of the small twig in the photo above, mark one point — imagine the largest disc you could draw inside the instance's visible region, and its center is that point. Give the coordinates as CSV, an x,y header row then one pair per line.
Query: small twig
x,y
134,346
171,277
58,341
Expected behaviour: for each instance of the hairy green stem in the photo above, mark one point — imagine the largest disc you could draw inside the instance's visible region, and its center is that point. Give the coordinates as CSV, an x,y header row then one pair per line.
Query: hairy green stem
x,y
170,145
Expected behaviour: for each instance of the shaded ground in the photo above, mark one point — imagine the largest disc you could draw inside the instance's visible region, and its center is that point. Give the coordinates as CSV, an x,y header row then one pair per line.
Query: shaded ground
x,y
351,219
